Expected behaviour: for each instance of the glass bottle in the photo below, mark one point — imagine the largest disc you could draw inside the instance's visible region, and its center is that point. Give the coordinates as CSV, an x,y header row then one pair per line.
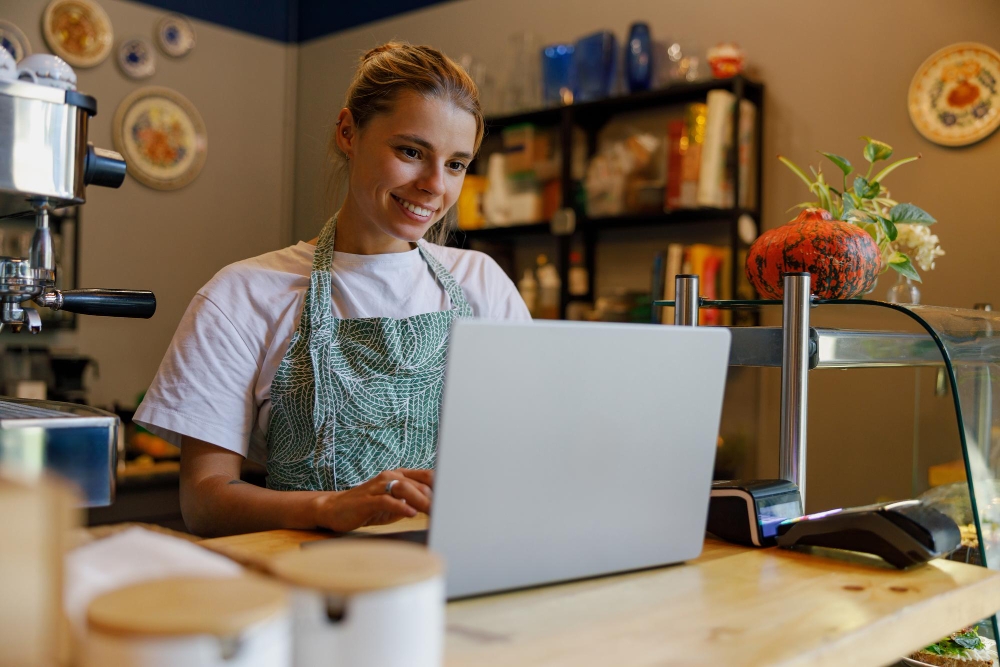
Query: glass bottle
x,y
904,291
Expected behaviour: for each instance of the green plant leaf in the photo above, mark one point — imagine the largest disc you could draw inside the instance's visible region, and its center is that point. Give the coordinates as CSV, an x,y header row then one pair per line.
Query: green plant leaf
x,y
841,162
871,228
805,204
892,167
797,170
901,263
876,150
888,227
864,189
910,214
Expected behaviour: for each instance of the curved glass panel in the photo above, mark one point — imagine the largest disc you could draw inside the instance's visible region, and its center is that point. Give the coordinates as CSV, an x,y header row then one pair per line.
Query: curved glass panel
x,y
969,344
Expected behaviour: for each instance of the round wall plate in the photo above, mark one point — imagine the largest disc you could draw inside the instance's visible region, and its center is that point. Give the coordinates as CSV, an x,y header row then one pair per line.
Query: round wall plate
x,y
136,59
78,31
14,41
175,35
162,136
954,98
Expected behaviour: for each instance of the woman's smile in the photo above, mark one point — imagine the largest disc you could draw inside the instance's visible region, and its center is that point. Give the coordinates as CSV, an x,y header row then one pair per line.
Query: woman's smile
x,y
413,209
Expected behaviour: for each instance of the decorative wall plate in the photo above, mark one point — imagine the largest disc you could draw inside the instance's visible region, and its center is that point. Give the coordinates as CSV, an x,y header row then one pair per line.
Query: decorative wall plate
x,y
136,59
954,98
78,31
162,137
175,35
14,41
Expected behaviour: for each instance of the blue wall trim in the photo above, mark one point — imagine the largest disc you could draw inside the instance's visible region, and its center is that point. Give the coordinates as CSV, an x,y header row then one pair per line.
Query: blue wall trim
x,y
290,21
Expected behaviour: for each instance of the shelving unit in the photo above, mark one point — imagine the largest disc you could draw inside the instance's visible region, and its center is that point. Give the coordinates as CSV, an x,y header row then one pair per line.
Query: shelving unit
x,y
592,117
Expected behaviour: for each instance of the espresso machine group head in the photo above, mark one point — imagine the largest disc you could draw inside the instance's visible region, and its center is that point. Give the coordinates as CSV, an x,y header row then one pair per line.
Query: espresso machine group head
x,y
46,163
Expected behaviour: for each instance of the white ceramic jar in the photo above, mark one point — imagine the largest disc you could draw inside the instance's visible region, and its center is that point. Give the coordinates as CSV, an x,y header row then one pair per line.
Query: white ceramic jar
x,y
360,602
191,621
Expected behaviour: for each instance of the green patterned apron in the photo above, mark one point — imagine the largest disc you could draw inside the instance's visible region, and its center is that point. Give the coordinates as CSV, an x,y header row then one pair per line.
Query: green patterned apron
x,y
352,398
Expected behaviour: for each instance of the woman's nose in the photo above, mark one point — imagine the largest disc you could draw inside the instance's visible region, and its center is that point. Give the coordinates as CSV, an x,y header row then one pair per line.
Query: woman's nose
x,y
432,180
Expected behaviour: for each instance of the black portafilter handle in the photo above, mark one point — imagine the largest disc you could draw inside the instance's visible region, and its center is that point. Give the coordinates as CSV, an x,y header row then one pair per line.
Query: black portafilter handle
x,y
102,302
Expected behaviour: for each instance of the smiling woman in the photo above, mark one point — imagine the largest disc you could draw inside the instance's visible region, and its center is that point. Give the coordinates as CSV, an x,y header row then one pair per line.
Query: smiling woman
x,y
326,359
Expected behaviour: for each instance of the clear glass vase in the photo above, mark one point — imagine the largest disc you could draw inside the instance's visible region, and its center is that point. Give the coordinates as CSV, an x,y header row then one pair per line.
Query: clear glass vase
x,y
904,291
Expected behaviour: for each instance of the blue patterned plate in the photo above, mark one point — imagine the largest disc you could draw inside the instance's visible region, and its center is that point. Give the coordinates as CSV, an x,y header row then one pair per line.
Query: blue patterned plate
x,y
14,41
175,35
135,58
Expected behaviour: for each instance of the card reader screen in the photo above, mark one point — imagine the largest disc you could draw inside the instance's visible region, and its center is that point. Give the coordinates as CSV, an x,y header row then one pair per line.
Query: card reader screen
x,y
772,511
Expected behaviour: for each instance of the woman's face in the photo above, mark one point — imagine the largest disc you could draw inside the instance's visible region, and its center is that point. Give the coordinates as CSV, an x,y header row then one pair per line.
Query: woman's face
x,y
407,165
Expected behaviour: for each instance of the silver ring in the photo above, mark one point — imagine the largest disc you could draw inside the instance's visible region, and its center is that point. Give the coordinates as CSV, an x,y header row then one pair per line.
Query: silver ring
x,y
389,485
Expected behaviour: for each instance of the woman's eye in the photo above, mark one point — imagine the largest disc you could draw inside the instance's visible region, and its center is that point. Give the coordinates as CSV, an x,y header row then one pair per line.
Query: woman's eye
x,y
412,153
458,166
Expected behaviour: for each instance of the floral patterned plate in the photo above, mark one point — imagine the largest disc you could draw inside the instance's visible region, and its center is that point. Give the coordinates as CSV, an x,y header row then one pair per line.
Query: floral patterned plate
x,y
162,137
78,31
954,98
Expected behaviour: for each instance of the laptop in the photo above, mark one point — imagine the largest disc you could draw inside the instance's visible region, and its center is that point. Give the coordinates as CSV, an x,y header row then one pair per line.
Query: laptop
x,y
570,450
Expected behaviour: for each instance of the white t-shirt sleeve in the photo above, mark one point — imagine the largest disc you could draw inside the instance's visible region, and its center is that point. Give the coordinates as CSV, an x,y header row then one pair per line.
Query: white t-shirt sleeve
x,y
203,388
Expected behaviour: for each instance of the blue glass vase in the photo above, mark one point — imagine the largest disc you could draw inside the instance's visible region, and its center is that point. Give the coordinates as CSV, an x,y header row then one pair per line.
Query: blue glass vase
x,y
557,74
596,62
639,58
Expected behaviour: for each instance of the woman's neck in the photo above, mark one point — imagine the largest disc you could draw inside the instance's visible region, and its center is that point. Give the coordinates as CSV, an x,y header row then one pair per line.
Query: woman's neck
x,y
359,236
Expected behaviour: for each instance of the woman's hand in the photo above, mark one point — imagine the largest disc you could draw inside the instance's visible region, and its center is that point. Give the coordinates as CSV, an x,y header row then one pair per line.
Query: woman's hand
x,y
376,502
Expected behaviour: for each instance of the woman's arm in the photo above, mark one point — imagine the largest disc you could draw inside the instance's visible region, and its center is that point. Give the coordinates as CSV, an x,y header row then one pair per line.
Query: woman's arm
x,y
215,502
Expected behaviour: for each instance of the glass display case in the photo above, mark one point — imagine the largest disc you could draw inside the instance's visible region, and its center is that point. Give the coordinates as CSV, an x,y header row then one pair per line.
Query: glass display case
x,y
952,352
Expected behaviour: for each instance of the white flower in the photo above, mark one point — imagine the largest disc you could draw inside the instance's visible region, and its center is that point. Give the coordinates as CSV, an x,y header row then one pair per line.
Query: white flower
x,y
919,240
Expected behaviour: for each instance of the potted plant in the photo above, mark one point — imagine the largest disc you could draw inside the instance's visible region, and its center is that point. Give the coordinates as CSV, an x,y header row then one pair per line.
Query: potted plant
x,y
901,230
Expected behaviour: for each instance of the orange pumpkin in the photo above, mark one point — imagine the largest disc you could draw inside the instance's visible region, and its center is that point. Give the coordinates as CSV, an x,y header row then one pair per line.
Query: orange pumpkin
x,y
844,259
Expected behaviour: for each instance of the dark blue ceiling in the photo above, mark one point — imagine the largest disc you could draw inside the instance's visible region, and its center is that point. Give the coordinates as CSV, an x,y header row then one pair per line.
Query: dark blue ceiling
x,y
290,20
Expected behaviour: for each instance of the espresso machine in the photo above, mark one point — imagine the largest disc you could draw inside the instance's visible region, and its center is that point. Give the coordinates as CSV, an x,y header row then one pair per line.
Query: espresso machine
x,y
46,163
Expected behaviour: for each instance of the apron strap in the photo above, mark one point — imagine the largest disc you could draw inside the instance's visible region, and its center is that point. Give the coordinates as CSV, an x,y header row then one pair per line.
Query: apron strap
x,y
448,282
320,282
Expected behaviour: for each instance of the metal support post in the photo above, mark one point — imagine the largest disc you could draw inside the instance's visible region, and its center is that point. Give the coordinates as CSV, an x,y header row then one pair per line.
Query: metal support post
x,y
686,301
794,379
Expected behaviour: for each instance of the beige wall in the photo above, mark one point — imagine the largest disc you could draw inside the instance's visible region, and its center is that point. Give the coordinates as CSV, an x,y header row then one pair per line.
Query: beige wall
x,y
833,71
173,242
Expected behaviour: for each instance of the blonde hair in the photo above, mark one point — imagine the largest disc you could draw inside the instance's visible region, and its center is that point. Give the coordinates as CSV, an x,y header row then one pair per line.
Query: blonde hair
x,y
383,73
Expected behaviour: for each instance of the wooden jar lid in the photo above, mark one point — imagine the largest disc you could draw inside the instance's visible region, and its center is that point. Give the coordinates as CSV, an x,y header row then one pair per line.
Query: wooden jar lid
x,y
352,566
220,606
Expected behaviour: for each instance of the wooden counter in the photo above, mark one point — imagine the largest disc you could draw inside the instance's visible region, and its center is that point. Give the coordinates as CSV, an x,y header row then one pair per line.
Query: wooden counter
x,y
731,606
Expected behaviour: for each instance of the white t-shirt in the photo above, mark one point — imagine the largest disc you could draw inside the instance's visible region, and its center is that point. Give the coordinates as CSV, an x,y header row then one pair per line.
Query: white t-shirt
x,y
214,382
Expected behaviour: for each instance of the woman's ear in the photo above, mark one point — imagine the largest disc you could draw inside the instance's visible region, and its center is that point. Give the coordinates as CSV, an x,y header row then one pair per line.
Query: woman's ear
x,y
346,132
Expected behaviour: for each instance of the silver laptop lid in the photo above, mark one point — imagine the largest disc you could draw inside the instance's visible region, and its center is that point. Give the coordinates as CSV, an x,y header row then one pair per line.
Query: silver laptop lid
x,y
570,450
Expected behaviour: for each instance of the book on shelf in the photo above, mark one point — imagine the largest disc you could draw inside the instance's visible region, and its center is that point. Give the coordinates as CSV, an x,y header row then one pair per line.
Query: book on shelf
x,y
694,134
748,155
673,266
699,155
676,148
714,188
713,266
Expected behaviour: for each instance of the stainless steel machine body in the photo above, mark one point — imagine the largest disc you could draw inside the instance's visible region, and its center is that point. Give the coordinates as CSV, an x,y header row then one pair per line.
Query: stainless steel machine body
x,y
43,146
46,164
77,442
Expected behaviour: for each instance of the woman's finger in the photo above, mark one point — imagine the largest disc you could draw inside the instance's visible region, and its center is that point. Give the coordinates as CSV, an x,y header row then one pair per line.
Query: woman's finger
x,y
414,497
424,476
395,506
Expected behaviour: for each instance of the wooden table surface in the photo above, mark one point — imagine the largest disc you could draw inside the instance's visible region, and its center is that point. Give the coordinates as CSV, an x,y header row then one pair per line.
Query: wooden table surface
x,y
731,606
